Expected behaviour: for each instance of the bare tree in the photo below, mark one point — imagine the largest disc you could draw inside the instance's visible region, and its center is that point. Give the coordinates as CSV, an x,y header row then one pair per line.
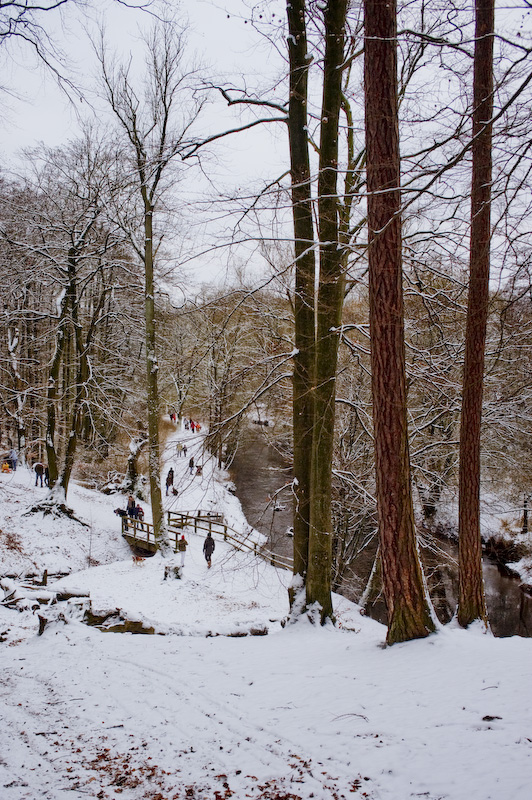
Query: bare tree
x,y
154,130
67,270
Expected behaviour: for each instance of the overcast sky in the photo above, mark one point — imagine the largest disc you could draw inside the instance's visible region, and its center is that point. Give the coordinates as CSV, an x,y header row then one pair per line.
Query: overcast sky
x,y
220,36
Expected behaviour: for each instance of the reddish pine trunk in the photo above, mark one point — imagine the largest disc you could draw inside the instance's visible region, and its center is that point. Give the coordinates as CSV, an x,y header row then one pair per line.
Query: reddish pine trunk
x,y
408,611
471,602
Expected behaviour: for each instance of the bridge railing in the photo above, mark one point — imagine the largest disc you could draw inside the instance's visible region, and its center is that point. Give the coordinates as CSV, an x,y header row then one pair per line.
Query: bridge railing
x,y
214,523
142,534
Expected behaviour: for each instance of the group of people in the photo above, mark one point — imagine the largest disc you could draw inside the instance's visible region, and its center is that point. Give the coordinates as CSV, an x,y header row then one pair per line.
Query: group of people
x,y
190,425
41,473
181,449
169,483
134,509
209,547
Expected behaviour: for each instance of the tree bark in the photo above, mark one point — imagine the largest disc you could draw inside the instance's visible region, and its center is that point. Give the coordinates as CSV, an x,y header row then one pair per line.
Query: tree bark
x,y
471,602
305,272
52,392
328,315
408,611
152,369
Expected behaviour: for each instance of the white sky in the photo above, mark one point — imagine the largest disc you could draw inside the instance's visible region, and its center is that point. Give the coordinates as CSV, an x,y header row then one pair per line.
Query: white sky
x,y
219,37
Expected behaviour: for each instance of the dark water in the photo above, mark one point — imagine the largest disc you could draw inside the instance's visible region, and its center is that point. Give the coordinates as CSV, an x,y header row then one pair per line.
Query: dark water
x,y
262,479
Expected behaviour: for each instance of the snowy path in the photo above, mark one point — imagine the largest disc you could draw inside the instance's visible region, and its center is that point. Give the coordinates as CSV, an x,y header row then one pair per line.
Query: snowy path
x,y
303,713
325,717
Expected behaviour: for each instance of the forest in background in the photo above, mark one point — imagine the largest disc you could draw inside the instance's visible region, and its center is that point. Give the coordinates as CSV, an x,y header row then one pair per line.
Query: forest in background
x,y
73,262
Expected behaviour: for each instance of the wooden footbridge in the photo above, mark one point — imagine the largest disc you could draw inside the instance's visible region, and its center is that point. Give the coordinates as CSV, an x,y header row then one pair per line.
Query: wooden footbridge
x,y
141,535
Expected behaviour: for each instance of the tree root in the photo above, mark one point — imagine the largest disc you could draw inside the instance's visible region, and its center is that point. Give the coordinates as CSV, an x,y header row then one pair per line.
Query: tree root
x,y
49,507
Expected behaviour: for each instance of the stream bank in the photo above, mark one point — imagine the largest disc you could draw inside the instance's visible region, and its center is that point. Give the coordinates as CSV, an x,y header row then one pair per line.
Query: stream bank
x,y
262,478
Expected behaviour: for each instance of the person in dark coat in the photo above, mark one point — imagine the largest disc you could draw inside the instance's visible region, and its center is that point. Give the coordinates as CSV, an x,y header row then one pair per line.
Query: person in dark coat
x,y
131,507
169,479
208,549
39,472
191,464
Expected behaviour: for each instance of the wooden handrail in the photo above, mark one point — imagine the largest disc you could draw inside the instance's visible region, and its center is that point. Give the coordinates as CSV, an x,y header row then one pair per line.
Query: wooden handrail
x,y
212,523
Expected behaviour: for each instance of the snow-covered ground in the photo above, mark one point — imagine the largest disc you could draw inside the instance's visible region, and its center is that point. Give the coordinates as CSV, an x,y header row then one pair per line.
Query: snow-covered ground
x,y
206,710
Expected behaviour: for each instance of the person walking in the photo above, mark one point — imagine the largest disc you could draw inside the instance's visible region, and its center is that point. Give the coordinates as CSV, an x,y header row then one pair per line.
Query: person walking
x,y
170,479
191,464
208,549
13,458
131,507
39,472
185,448
179,449
182,548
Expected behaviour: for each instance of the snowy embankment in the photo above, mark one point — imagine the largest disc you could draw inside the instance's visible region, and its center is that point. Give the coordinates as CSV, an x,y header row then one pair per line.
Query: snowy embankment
x,y
206,713
501,525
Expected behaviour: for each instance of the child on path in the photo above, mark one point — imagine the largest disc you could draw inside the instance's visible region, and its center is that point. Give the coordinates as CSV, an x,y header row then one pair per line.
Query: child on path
x,y
182,548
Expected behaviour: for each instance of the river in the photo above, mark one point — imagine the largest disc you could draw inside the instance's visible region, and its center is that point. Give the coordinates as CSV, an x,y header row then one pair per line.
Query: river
x,y
262,479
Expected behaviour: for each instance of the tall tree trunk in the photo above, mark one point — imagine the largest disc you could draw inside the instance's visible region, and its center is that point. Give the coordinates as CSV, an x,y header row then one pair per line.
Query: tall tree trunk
x,y
82,374
76,421
408,610
152,369
53,390
471,602
328,316
131,477
305,273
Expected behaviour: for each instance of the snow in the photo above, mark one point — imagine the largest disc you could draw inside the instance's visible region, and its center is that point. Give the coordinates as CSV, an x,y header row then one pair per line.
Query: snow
x,y
206,710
